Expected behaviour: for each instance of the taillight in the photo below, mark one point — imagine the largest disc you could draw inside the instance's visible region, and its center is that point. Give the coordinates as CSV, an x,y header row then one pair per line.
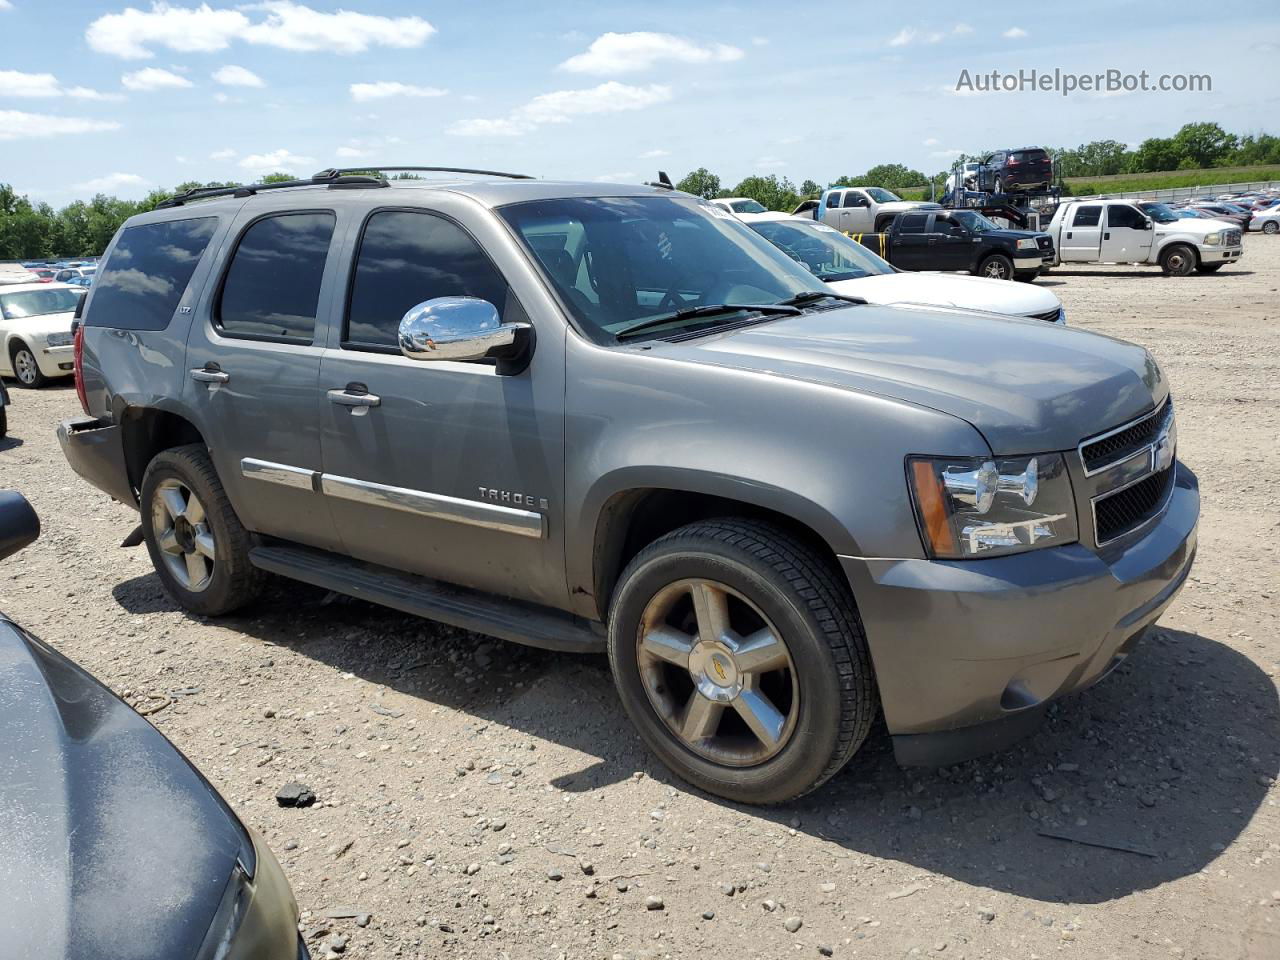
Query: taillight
x,y
78,367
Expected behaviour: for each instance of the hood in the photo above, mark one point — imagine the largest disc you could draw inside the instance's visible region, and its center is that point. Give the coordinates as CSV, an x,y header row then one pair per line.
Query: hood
x,y
44,323
114,846
900,206
1027,386
1012,234
1196,226
943,290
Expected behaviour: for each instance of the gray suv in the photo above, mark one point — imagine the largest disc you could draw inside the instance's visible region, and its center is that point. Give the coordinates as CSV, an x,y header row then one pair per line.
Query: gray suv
x,y
613,418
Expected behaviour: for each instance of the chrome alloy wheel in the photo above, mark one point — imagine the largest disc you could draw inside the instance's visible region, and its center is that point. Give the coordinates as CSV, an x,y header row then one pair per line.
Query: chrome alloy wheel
x,y
183,535
24,366
717,672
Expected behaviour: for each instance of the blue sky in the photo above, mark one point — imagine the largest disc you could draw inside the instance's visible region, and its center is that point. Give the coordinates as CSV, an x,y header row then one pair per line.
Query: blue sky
x,y
126,96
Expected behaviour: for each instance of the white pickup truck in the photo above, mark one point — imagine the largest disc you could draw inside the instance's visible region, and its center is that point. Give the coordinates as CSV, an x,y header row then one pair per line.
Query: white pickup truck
x,y
1130,231
863,209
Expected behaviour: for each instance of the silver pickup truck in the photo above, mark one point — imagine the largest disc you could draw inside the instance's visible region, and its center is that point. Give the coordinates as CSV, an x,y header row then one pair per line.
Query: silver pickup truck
x,y
616,419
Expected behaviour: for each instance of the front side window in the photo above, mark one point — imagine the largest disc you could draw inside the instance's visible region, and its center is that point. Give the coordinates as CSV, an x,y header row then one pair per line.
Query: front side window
x,y
825,252
1124,216
407,257
974,221
1087,217
618,262
1159,212
854,199
147,273
272,288
913,223
38,303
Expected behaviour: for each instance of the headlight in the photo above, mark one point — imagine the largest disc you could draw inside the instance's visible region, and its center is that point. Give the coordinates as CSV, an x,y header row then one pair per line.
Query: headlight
x,y
1028,243
1213,239
58,339
1062,316
981,508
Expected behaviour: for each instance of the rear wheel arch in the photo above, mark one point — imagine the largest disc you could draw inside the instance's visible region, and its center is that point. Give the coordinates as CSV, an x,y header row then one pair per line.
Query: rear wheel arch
x,y
147,431
632,519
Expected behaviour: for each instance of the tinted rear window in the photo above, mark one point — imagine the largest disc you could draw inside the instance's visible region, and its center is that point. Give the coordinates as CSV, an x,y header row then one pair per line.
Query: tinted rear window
x,y
913,223
1022,156
147,273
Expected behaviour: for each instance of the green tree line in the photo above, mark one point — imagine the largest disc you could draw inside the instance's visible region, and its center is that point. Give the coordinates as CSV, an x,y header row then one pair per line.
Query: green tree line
x,y
30,230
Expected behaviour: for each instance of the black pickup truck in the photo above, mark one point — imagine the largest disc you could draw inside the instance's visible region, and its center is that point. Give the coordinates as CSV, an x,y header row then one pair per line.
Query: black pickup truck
x,y
961,240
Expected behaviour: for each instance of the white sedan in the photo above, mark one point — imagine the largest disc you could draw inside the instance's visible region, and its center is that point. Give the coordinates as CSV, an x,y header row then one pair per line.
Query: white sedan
x,y
744,208
853,270
35,331
1267,220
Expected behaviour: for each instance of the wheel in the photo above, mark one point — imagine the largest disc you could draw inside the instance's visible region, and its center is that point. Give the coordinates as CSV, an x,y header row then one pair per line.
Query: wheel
x,y
1271,226
1209,267
1177,260
25,367
740,658
999,185
996,266
196,541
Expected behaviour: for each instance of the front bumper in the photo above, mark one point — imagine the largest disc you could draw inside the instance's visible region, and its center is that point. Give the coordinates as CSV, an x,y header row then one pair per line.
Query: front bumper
x,y
56,361
969,653
95,450
268,927
1220,254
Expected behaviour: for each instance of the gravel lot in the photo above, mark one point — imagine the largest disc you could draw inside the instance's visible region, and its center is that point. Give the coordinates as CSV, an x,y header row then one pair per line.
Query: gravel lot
x,y
483,800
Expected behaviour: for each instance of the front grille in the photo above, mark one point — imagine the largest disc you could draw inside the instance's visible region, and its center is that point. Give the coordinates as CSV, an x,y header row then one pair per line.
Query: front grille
x,y
1118,513
1114,447
1230,238
1046,243
1049,316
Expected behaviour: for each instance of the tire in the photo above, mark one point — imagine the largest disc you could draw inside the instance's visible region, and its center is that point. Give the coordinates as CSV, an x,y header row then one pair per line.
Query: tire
x,y
997,266
1177,260
1209,267
4,422
999,185
25,369
230,581
826,689
1271,227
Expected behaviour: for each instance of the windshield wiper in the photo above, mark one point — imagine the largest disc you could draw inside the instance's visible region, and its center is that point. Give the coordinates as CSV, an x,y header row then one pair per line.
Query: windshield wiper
x,y
813,296
709,310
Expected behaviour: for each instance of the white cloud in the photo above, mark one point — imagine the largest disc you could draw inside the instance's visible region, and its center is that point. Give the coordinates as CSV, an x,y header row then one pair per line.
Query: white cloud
x,y
961,29
759,41
902,37
280,23
28,86
770,163
1014,33
909,35
931,142
111,182
233,76
221,97
153,78
364,92
561,106
5,5
224,154
353,153
946,153
654,154
613,53
274,161
17,125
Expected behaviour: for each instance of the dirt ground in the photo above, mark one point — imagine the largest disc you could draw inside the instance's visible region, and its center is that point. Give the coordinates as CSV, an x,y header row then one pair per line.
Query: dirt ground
x,y
483,800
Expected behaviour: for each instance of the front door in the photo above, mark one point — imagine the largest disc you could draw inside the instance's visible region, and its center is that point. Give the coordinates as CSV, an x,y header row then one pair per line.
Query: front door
x,y
253,359
1081,237
1126,235
447,469
909,243
952,246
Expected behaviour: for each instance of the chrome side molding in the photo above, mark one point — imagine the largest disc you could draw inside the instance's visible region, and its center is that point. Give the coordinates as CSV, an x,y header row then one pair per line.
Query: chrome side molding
x,y
491,516
280,473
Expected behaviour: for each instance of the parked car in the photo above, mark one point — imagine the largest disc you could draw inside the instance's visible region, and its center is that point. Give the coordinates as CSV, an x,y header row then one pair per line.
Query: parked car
x,y
35,331
83,282
1120,231
961,240
108,834
651,432
1010,171
1267,220
11,273
850,269
968,177
746,207
73,273
863,209
1227,213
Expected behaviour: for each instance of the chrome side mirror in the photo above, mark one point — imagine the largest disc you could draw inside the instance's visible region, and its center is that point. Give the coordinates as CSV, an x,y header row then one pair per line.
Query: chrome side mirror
x,y
460,328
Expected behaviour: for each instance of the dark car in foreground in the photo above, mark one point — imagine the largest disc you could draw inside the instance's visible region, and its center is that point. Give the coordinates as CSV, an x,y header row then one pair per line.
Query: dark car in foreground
x,y
113,844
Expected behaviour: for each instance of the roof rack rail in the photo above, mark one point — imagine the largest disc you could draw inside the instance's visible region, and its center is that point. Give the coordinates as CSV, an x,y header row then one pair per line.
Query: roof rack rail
x,y
331,173
248,190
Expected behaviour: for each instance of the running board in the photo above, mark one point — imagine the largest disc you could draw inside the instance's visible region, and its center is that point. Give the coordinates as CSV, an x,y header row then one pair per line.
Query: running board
x,y
514,620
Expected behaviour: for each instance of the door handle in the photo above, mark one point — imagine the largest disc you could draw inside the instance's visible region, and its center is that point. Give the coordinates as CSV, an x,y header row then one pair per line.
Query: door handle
x,y
209,375
1068,234
1106,236
345,398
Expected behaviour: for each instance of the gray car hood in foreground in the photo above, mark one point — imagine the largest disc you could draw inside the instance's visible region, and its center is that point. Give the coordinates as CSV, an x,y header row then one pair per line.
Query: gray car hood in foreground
x,y
111,844
1027,386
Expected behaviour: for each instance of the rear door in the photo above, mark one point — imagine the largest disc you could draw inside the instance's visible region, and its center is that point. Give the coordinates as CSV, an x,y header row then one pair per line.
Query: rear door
x,y
1126,236
909,249
253,359
1081,238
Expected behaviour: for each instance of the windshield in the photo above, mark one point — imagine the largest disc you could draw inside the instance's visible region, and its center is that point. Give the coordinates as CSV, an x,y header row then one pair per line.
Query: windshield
x,y
38,303
748,206
1159,212
825,252
616,261
976,222
881,195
